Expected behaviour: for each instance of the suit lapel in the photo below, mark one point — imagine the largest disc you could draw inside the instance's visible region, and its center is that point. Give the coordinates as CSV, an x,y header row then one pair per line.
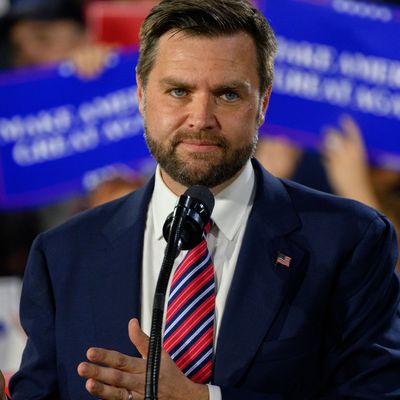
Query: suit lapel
x,y
116,280
258,290
260,286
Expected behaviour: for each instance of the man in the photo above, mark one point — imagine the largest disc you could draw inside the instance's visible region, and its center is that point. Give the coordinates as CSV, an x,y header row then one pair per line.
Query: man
x,y
306,302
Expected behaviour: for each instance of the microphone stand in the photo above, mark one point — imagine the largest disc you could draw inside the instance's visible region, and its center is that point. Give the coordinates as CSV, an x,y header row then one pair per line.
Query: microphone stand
x,y
172,250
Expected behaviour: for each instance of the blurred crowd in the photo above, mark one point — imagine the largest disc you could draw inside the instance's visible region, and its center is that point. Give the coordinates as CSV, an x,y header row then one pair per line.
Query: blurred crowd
x,y
42,32
35,32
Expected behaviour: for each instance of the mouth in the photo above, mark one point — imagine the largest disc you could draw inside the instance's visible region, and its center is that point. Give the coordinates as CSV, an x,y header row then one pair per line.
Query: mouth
x,y
199,146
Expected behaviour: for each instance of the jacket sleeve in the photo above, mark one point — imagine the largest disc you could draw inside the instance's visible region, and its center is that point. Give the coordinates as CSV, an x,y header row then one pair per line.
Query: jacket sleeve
x,y
363,350
361,355
37,376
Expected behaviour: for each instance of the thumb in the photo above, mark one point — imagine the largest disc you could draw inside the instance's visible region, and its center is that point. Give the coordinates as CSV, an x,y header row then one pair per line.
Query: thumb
x,y
138,337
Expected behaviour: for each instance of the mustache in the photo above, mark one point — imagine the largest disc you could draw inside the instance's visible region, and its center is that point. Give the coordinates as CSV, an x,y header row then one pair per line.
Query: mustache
x,y
202,136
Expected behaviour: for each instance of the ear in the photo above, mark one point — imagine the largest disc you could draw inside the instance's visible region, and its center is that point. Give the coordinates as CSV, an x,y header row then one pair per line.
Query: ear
x,y
140,93
264,105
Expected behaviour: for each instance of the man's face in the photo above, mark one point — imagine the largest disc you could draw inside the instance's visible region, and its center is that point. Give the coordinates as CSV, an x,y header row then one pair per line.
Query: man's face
x,y
202,107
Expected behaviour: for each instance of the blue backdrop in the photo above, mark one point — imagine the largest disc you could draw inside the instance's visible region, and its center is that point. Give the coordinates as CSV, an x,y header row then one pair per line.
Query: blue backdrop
x,y
336,57
60,134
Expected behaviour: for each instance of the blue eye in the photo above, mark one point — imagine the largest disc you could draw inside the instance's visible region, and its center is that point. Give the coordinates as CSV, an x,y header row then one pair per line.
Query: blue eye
x,y
230,96
178,92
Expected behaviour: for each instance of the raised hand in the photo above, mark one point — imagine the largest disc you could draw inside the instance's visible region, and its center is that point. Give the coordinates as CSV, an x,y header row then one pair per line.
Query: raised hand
x,y
90,59
346,162
278,155
112,375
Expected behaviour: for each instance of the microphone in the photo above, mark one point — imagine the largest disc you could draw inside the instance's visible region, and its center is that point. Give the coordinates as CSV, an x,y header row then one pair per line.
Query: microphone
x,y
183,229
194,209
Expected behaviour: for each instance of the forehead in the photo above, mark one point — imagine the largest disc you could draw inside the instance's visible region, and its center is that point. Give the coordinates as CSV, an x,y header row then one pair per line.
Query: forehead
x,y
230,57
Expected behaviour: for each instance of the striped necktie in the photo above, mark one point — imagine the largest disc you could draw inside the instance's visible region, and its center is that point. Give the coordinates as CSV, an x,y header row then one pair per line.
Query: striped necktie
x,y
189,327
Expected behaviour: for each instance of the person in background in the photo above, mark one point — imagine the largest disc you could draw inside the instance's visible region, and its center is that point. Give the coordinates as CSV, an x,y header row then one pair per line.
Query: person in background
x,y
347,169
111,189
278,155
49,33
43,33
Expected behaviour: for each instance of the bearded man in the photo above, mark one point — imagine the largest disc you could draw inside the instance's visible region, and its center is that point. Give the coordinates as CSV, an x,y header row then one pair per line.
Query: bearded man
x,y
304,300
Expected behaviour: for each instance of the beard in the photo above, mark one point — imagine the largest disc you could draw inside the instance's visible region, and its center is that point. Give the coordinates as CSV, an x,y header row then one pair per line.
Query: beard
x,y
207,169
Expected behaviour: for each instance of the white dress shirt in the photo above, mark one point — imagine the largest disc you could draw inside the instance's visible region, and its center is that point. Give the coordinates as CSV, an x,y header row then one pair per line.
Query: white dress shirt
x,y
230,214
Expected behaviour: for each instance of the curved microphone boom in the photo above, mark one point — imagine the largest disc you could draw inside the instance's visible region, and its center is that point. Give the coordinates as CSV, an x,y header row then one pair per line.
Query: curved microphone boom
x,y
183,230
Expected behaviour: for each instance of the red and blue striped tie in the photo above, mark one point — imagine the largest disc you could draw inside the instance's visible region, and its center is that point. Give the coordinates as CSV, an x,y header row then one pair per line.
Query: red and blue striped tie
x,y
189,327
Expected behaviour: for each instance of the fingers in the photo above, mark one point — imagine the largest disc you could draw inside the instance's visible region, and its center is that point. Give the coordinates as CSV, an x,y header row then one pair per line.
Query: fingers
x,y
333,140
116,369
114,359
106,392
111,375
90,60
100,379
348,136
278,155
351,129
138,337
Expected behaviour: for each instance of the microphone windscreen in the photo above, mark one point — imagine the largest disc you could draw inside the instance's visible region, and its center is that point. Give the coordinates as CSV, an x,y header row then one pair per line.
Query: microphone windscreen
x,y
203,194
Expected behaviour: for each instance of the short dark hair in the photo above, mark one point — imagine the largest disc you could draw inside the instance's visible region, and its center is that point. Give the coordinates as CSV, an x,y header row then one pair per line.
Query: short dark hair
x,y
208,18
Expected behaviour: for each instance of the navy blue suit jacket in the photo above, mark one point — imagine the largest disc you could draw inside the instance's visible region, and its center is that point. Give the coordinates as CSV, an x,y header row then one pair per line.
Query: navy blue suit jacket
x,y
326,327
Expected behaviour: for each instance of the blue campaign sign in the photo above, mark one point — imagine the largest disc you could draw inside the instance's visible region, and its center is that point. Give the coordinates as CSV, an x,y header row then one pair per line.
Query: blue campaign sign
x,y
59,133
336,57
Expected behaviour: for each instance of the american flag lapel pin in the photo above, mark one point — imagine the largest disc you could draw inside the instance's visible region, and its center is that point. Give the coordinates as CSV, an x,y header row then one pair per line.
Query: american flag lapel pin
x,y
283,260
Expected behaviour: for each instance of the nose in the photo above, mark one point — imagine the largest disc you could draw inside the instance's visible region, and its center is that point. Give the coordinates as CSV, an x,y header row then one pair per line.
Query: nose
x,y
201,113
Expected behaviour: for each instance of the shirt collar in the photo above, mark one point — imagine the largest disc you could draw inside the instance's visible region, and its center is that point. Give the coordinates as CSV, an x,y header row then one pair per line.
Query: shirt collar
x,y
233,200
163,203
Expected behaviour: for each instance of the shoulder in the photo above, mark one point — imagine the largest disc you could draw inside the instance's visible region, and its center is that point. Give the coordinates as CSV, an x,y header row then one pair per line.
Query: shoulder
x,y
319,215
333,222
308,201
89,227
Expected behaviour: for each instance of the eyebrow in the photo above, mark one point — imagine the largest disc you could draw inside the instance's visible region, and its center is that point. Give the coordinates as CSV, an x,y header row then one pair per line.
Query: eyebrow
x,y
169,81
232,85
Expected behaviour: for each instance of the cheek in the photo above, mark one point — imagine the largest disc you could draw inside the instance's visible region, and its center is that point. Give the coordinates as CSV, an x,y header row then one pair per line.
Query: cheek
x,y
160,123
240,126
162,117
